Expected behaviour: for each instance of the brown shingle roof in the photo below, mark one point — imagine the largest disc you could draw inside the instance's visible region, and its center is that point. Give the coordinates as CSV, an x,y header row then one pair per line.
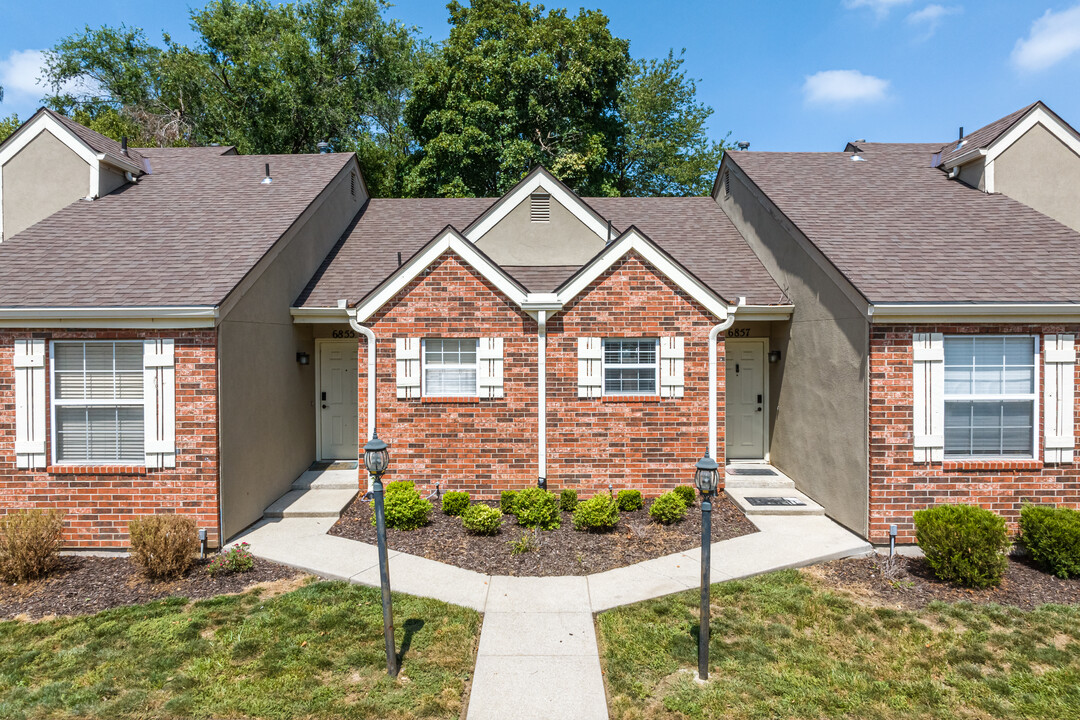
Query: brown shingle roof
x,y
984,136
694,231
901,231
98,142
185,234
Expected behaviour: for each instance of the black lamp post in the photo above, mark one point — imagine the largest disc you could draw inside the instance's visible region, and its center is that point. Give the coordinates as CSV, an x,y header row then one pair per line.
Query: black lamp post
x,y
376,459
706,477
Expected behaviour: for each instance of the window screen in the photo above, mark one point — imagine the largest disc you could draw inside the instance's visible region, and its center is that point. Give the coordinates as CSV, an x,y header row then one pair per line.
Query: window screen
x,y
98,402
630,366
450,367
990,387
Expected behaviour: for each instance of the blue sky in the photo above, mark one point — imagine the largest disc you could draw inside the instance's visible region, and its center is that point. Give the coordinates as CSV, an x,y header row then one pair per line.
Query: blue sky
x,y
799,75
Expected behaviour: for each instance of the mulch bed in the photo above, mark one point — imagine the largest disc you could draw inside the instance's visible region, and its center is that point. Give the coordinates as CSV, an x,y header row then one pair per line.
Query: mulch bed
x,y
564,551
83,584
910,584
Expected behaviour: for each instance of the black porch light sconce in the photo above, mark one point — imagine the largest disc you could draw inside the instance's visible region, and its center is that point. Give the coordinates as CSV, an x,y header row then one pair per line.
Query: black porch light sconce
x,y
774,356
303,358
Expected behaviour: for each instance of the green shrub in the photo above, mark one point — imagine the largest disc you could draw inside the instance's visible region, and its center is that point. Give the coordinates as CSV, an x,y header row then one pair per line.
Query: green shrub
x,y
600,512
508,501
236,559
963,544
567,500
537,508
668,508
687,493
481,519
455,503
403,506
1053,537
29,543
163,545
629,500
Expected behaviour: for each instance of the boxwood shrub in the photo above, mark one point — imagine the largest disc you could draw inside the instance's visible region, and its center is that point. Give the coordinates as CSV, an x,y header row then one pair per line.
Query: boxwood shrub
x,y
455,502
537,508
600,512
567,500
482,520
507,501
404,508
629,500
30,542
1052,535
668,508
687,493
963,544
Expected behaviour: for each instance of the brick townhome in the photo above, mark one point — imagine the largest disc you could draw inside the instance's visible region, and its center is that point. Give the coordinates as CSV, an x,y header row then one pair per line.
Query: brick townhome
x,y
189,329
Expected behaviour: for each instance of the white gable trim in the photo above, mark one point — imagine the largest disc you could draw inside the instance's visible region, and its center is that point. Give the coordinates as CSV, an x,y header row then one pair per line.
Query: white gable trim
x,y
449,240
1038,116
540,180
632,240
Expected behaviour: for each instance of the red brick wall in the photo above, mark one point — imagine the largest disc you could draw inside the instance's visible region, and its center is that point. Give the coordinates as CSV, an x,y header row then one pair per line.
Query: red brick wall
x,y
490,444
99,501
899,486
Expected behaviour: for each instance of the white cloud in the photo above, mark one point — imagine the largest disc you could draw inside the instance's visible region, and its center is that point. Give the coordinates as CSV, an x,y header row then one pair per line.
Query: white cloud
x,y
843,87
19,73
930,18
1053,37
881,7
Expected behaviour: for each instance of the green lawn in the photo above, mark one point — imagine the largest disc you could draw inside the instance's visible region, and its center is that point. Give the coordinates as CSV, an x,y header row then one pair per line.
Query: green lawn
x,y
316,652
782,649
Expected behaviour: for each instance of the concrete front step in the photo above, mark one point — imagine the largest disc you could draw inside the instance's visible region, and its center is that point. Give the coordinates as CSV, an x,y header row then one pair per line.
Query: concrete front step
x,y
757,481
328,480
739,495
320,503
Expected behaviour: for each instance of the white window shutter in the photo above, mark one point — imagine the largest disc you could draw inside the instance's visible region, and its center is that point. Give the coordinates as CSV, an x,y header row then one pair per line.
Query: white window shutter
x,y
671,366
408,368
29,361
159,396
590,360
1059,356
489,354
928,353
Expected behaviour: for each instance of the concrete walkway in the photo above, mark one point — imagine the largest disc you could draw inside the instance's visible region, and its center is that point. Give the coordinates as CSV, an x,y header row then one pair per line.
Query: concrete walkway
x,y
538,656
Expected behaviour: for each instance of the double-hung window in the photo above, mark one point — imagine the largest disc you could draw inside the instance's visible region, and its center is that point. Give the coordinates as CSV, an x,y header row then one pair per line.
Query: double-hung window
x,y
990,395
450,367
631,366
97,402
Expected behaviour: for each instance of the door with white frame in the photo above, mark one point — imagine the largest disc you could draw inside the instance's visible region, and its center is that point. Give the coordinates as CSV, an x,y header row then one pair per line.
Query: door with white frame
x,y
747,399
336,400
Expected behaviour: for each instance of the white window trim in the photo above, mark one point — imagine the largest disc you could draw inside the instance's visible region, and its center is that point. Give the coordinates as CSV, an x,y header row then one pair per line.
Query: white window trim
x,y
423,369
54,403
654,365
1033,397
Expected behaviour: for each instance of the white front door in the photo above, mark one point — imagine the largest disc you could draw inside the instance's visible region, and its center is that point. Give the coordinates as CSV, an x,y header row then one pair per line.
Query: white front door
x,y
336,401
745,379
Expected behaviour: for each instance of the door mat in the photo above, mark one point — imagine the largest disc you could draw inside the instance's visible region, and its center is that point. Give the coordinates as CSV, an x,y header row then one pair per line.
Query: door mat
x,y
752,471
760,501
336,465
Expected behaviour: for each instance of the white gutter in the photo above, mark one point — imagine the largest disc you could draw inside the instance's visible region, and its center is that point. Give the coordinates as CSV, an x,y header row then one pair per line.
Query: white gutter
x,y
974,312
713,335
315,315
370,335
170,316
541,413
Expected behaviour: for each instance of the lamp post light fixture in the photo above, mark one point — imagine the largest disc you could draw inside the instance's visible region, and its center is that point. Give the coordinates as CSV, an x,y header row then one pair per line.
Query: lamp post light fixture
x,y
706,478
376,459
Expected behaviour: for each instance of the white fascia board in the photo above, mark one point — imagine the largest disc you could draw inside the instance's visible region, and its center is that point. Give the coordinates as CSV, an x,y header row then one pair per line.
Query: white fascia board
x,y
974,312
763,313
318,315
965,158
450,241
541,180
633,241
194,316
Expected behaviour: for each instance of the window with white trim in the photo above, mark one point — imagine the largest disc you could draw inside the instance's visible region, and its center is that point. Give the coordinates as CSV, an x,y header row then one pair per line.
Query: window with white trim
x,y
97,402
450,367
990,395
631,366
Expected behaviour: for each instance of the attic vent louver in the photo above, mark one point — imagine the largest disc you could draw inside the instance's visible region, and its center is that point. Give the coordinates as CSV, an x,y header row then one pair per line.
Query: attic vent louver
x,y
727,183
352,184
540,207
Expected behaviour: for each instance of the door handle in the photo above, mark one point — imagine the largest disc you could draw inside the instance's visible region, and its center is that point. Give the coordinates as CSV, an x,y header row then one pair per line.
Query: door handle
x,y
324,406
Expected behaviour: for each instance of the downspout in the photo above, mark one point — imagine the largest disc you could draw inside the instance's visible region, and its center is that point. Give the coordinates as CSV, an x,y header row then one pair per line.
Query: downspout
x,y
713,335
541,405
370,335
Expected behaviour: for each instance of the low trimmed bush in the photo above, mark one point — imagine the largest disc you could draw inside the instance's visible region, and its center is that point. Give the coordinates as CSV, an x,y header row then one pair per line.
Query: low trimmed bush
x,y
29,543
600,512
537,508
1052,535
163,546
688,494
568,500
668,508
629,500
455,503
508,501
963,544
236,559
481,519
403,506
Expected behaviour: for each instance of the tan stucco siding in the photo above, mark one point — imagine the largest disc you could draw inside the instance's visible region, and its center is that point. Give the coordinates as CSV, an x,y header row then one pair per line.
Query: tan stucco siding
x,y
267,399
818,389
43,177
1042,172
564,240
974,174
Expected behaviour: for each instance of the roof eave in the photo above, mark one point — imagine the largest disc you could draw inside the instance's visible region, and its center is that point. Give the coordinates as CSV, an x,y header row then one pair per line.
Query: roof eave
x,y
147,316
975,312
